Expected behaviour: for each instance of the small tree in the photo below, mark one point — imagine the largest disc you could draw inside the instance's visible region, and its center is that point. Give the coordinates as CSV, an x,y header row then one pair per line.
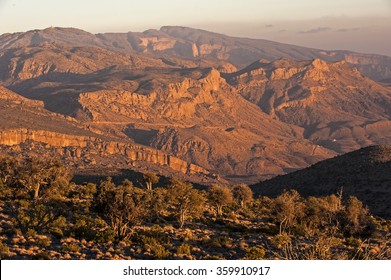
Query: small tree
x,y
8,172
100,197
287,209
150,179
123,207
186,201
242,195
47,176
219,197
357,219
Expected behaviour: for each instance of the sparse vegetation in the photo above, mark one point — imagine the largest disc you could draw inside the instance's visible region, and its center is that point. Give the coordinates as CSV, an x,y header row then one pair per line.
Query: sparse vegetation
x,y
179,221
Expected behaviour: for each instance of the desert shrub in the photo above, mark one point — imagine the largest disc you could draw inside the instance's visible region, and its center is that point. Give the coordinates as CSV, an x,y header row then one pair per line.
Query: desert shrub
x,y
219,242
184,249
4,251
42,177
43,241
33,217
159,252
322,214
158,204
85,191
154,246
269,229
71,248
281,240
366,252
91,229
254,253
41,256
318,249
155,234
354,242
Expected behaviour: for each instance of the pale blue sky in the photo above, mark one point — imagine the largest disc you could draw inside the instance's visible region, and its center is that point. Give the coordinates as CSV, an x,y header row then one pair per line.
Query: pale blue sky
x,y
362,25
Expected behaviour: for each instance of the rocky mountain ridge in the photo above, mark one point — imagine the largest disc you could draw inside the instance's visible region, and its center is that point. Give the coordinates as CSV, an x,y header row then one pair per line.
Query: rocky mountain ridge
x,y
266,119
188,43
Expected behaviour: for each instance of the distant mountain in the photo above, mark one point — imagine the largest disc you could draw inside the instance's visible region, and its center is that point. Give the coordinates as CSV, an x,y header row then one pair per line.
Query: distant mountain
x,y
365,173
188,43
337,106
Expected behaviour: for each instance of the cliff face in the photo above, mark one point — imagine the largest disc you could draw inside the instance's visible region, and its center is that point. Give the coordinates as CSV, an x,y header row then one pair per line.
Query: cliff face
x,y
81,146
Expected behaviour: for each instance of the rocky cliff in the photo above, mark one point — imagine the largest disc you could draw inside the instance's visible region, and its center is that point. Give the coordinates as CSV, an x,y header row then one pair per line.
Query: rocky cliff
x,y
82,146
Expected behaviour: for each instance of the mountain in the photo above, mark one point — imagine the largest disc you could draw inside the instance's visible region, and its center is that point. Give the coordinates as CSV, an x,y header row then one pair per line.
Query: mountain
x,y
148,103
187,43
365,173
335,104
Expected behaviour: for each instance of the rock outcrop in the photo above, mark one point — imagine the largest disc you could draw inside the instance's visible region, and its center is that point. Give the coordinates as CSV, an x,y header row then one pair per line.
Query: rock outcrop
x,y
80,146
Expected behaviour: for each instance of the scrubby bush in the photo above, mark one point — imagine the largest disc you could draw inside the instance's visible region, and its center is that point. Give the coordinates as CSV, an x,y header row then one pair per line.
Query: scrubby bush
x,y
41,256
32,217
4,251
219,242
71,248
91,229
254,253
184,249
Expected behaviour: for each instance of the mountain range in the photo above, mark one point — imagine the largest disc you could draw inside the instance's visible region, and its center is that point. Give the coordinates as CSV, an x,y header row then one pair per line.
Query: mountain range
x,y
187,102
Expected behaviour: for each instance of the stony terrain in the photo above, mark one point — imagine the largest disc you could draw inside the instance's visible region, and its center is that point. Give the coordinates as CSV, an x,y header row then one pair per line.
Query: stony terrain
x,y
201,109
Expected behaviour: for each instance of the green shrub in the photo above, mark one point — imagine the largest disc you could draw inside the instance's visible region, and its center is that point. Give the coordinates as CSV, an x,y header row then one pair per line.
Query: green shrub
x,y
159,252
269,229
184,249
4,251
254,253
43,241
33,217
71,248
152,245
92,229
219,242
281,240
41,256
354,242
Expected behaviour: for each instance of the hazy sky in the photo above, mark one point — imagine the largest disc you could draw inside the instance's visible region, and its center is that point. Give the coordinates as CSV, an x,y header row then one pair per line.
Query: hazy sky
x,y
361,25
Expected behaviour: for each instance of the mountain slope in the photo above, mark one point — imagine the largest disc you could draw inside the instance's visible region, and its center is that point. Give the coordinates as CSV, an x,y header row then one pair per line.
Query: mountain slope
x,y
365,173
336,105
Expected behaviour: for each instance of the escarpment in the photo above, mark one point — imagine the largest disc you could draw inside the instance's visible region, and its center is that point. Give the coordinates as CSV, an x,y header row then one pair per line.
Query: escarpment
x,y
80,147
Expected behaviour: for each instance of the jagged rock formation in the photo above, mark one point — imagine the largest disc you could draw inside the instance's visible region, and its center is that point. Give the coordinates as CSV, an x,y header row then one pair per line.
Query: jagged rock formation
x,y
365,173
336,105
